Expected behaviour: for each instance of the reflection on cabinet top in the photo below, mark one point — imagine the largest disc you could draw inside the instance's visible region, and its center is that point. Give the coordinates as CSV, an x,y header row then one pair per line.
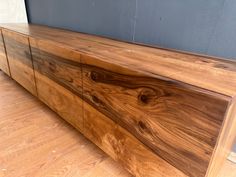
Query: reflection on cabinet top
x,y
202,71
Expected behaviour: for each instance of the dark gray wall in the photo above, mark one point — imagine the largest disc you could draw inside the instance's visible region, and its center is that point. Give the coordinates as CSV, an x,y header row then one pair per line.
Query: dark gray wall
x,y
112,18
202,26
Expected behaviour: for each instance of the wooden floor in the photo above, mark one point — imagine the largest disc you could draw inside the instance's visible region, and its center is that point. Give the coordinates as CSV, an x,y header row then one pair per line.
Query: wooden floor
x,y
35,142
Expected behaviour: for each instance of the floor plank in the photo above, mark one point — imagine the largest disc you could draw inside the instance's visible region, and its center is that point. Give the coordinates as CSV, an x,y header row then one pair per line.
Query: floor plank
x,y
35,142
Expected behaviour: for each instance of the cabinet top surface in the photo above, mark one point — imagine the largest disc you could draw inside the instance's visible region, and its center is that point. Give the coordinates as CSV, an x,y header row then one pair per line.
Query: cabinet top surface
x,y
206,72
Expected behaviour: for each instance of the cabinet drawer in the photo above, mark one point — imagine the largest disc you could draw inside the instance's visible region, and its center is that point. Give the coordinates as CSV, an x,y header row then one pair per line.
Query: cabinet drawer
x,y
124,147
20,61
3,58
180,123
59,84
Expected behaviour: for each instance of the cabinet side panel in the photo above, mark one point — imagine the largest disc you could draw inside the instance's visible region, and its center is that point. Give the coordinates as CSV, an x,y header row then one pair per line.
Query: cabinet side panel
x,y
3,57
225,141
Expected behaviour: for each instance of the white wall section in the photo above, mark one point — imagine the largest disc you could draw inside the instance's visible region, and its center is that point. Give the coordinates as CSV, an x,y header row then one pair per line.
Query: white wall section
x,y
13,11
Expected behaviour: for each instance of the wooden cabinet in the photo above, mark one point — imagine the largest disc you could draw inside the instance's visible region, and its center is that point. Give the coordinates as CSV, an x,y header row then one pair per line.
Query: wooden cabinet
x,y
3,58
20,61
150,109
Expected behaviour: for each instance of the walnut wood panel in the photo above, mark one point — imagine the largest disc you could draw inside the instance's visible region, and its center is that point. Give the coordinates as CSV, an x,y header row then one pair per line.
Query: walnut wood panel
x,y
180,123
20,61
52,76
124,147
3,58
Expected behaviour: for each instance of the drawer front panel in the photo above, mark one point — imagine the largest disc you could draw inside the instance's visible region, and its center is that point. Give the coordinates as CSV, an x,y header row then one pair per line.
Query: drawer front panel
x,y
3,58
57,81
59,99
178,122
20,61
124,147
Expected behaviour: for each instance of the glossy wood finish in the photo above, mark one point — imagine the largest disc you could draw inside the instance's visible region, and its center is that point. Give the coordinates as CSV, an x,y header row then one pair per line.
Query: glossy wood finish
x,y
35,142
20,61
124,147
108,92
3,58
67,73
178,122
51,76
130,99
156,111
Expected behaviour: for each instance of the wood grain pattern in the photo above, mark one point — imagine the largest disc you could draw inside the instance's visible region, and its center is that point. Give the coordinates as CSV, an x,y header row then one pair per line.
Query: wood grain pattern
x,y
56,66
35,142
57,71
174,114
148,98
179,123
51,77
124,147
3,58
20,61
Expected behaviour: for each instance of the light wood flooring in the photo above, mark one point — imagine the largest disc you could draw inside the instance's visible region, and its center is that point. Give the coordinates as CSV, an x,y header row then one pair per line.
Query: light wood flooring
x,y
35,142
